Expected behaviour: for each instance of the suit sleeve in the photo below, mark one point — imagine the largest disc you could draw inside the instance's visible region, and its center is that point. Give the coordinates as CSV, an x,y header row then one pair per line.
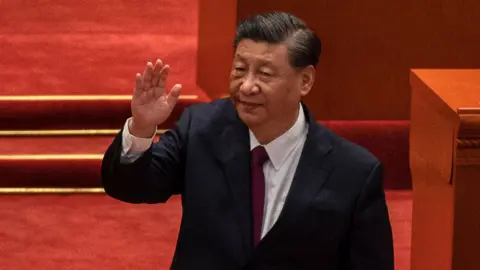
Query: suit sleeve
x,y
371,243
153,177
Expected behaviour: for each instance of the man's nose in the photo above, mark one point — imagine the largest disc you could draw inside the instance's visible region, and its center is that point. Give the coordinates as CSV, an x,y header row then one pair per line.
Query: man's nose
x,y
249,85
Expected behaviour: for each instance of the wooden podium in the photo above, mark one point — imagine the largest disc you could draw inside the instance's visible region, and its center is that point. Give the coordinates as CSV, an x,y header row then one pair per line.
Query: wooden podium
x,y
445,165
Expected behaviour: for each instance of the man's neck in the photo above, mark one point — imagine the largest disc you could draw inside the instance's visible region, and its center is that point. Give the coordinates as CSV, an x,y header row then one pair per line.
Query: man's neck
x,y
268,132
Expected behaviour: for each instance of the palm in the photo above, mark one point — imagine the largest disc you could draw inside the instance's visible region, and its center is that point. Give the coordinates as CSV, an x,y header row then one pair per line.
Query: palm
x,y
151,105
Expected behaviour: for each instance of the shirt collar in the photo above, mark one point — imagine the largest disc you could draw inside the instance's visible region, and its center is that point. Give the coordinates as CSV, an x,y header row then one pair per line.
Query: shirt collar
x,y
279,149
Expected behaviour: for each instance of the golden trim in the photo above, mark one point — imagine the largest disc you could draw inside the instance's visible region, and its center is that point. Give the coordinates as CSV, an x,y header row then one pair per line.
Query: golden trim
x,y
65,132
52,157
469,128
468,143
77,97
24,190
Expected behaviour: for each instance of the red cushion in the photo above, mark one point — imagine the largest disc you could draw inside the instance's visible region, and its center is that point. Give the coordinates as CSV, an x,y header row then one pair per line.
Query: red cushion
x,y
387,140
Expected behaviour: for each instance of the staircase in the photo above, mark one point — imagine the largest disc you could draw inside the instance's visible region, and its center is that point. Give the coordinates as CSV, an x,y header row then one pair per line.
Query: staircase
x,y
67,70
59,141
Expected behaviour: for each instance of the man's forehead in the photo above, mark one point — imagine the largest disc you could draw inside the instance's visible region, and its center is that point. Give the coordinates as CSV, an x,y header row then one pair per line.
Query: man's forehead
x,y
260,50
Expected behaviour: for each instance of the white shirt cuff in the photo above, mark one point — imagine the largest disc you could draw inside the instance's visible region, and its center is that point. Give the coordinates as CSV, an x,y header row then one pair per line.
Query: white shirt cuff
x,y
133,147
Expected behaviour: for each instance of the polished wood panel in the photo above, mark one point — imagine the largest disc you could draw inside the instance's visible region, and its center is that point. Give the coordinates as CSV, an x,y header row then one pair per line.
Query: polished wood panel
x,y
216,32
369,48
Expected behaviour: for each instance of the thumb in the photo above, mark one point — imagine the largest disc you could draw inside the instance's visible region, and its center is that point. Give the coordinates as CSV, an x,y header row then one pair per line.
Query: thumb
x,y
173,95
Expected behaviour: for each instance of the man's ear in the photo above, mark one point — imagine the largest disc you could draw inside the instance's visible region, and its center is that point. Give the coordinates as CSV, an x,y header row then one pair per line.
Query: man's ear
x,y
307,77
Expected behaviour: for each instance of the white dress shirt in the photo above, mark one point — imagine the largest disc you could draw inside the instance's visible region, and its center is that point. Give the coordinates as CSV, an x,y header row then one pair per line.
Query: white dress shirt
x,y
283,152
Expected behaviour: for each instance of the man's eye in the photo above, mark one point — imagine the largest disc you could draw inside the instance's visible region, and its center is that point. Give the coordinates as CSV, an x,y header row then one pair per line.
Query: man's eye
x,y
266,74
239,69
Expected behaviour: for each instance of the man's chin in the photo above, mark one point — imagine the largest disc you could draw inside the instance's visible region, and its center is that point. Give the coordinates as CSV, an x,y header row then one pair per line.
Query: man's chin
x,y
249,118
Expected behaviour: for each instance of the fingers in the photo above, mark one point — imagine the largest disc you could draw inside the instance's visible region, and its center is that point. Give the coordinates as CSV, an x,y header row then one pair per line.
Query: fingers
x,y
163,76
147,76
153,80
138,85
156,72
162,81
172,97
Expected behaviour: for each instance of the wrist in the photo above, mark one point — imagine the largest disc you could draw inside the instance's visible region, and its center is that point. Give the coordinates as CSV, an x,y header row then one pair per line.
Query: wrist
x,y
141,131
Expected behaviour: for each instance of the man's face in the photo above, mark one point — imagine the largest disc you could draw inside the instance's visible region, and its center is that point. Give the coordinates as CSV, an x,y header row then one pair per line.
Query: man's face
x,y
263,85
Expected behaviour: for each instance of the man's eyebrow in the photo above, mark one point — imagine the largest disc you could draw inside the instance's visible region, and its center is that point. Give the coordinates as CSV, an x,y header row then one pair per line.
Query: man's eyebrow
x,y
261,60
239,56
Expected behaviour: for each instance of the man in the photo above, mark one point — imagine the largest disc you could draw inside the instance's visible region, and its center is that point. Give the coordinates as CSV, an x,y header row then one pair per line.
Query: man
x,y
263,185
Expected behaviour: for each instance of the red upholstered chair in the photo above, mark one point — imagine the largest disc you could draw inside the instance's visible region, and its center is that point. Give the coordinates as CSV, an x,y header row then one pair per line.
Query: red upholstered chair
x,y
388,140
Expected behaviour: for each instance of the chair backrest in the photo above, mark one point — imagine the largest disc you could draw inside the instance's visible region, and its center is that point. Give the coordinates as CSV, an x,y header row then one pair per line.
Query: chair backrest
x,y
387,140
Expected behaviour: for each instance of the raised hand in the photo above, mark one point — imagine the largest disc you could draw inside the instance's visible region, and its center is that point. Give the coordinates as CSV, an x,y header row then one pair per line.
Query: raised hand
x,y
151,105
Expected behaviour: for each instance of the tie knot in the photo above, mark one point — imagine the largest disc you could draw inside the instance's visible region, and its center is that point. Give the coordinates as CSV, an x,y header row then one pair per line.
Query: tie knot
x,y
259,156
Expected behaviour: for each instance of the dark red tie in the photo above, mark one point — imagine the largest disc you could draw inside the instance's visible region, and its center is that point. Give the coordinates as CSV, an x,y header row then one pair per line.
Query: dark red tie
x,y
259,157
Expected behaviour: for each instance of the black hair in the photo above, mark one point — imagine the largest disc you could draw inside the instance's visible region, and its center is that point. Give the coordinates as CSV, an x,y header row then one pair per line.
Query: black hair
x,y
304,46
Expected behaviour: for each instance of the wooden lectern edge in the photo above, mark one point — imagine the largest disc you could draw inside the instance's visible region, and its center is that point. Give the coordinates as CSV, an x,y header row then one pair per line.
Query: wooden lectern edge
x,y
465,125
469,110
467,119
425,93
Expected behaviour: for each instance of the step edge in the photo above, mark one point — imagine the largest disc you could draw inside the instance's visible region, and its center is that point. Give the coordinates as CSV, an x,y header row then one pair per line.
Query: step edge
x,y
44,157
50,190
79,97
63,132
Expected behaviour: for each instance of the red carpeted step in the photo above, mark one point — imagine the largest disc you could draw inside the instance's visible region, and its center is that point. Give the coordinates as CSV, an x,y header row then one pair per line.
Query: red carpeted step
x,y
58,232
93,16
388,140
93,47
48,232
52,161
72,64
78,112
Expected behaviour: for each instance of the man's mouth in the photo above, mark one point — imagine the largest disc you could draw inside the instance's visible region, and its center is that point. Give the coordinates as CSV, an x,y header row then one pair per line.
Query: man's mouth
x,y
249,105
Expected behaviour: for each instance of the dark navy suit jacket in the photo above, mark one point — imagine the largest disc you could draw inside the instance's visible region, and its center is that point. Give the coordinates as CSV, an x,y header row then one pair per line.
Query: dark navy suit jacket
x,y
335,215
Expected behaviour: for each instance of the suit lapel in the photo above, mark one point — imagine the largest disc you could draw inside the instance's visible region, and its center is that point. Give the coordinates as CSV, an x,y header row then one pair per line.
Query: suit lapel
x,y
311,174
233,150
